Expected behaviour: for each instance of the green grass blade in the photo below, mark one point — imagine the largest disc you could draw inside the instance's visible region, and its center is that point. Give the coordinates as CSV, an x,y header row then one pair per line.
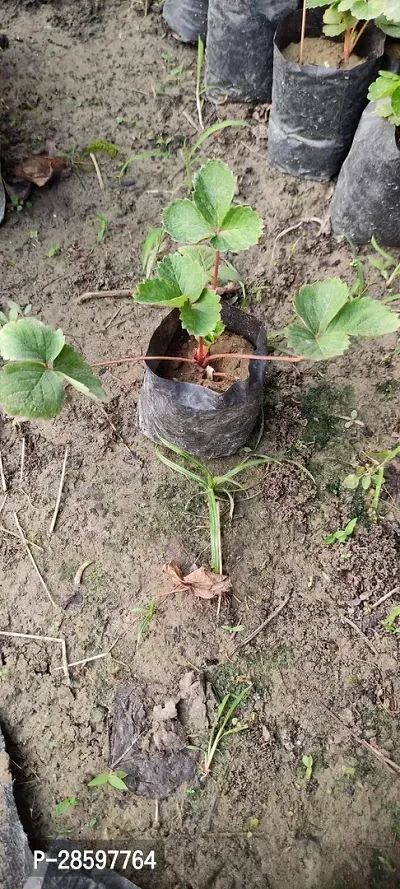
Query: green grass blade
x,y
186,456
142,155
241,467
215,128
176,467
215,532
199,104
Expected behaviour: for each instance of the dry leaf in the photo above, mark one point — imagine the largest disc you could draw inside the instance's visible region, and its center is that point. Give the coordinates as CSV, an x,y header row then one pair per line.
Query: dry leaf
x,y
39,168
202,582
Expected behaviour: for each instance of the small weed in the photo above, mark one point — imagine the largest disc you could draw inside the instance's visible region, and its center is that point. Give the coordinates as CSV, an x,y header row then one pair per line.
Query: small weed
x,y
54,250
387,265
142,155
238,629
392,622
103,226
225,724
351,420
190,152
69,803
114,779
308,764
199,97
146,614
15,312
34,235
19,204
101,146
371,475
214,488
341,536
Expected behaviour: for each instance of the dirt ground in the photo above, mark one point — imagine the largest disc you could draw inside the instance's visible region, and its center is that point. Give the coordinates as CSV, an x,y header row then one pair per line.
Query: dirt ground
x,y
80,72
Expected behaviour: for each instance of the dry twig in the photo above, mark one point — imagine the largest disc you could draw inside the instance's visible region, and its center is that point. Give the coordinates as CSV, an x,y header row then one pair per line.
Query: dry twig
x,y
95,294
393,766
44,639
2,476
262,626
97,168
23,538
42,581
60,490
360,633
384,598
21,470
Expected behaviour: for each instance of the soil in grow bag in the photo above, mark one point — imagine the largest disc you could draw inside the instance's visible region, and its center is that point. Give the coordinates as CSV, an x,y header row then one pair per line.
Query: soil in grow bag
x,y
391,58
231,370
187,18
240,48
367,196
207,422
316,106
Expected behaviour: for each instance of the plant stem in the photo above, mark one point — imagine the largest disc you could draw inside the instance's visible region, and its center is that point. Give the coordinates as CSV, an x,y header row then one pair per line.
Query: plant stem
x,y
354,40
201,352
215,531
248,355
303,31
216,270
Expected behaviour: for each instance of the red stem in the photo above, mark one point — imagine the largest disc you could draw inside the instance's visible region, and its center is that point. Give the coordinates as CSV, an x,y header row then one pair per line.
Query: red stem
x,y
358,35
303,31
248,355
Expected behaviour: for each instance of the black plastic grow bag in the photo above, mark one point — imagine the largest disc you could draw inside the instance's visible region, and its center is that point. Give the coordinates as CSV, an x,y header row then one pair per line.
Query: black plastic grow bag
x,y
187,18
240,48
203,422
367,195
315,110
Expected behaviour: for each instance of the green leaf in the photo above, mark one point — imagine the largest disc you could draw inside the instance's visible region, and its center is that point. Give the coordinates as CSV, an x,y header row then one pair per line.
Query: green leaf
x,y
118,771
396,100
66,804
202,254
351,482
99,780
367,9
241,228
388,27
331,538
151,248
390,622
200,318
29,391
184,222
159,292
54,250
214,190
117,782
350,527
317,304
30,340
186,273
314,4
304,342
366,482
365,317
334,30
72,367
210,338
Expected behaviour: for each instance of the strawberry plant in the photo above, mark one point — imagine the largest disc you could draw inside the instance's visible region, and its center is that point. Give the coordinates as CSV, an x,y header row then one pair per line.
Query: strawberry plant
x,y
327,318
385,90
351,17
207,225
39,364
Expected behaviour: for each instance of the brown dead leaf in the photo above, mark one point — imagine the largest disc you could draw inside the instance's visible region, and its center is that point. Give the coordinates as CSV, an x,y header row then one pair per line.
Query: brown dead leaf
x,y
202,582
39,168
